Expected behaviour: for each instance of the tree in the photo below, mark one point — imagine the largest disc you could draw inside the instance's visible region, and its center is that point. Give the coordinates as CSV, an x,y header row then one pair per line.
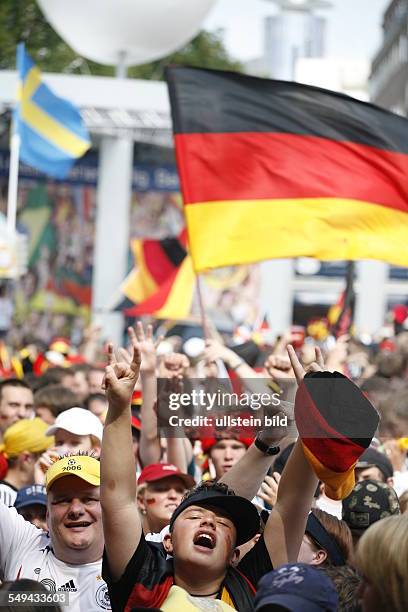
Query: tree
x,y
22,20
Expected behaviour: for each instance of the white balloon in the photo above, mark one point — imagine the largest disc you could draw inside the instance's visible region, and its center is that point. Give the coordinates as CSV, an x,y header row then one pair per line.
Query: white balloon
x,y
138,30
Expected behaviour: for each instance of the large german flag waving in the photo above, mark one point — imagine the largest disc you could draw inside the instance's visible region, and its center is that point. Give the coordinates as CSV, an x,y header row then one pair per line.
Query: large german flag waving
x,y
273,169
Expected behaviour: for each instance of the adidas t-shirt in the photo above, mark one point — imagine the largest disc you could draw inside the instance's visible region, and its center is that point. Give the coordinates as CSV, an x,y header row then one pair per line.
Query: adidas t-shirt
x,y
25,552
8,493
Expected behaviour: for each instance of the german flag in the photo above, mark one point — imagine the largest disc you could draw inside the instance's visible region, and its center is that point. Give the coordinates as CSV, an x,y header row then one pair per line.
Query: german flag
x,y
163,282
156,261
173,298
336,423
274,169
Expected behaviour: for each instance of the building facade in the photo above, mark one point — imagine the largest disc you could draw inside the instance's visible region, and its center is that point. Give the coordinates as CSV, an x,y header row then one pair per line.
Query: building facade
x,y
389,72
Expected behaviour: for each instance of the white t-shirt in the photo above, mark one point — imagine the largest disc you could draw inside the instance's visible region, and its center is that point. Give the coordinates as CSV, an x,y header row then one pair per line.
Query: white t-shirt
x,y
25,552
8,494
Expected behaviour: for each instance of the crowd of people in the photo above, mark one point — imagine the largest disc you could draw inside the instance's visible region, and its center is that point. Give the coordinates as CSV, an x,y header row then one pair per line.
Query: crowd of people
x,y
99,503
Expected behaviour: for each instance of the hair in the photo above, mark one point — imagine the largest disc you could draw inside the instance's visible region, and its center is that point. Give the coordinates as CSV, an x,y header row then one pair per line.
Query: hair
x,y
403,502
32,511
347,581
28,586
13,382
382,558
95,396
55,397
390,364
53,376
338,530
82,367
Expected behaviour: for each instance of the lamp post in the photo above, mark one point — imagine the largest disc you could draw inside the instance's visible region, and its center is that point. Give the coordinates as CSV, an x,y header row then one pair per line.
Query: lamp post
x,y
120,33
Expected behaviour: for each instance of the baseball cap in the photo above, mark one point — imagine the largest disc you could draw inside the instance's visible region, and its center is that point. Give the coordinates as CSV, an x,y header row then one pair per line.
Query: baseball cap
x,y
83,466
242,512
297,586
369,502
26,435
157,471
373,458
79,422
28,496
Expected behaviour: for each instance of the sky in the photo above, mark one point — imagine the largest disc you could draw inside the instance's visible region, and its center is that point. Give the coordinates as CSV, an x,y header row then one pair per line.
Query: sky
x,y
353,28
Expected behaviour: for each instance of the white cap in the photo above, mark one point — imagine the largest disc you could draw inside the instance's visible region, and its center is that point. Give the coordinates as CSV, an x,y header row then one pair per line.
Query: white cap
x,y
194,347
77,421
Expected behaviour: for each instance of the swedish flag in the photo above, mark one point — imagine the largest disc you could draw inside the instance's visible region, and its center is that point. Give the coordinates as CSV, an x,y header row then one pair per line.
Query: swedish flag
x,y
52,134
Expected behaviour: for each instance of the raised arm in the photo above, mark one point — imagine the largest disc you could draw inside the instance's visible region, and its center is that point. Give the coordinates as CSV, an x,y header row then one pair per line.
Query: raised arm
x,y
287,522
149,446
121,521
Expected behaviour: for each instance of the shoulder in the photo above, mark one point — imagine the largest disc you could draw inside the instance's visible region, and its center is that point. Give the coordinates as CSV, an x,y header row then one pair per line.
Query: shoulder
x,y
146,580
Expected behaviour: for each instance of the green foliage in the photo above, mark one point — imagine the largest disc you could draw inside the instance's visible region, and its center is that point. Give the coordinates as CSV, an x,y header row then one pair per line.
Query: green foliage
x,y
22,20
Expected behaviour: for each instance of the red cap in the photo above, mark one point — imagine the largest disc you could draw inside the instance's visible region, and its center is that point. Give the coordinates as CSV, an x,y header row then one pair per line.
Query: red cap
x,y
157,471
208,443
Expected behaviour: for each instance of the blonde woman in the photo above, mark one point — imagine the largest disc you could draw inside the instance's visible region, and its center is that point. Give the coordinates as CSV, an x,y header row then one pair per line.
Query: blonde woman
x,y
382,558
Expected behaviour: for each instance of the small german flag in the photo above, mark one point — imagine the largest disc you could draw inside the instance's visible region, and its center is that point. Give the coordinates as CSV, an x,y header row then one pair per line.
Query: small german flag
x,y
274,169
163,282
336,423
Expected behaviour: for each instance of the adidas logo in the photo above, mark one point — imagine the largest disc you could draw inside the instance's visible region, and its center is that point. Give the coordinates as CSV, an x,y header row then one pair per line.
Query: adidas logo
x,y
69,586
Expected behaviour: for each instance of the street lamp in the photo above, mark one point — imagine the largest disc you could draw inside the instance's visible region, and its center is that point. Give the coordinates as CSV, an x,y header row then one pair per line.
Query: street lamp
x,y
120,33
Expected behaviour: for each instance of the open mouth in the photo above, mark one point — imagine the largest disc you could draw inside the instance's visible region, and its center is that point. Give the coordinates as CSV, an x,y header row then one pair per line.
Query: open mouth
x,y
205,540
79,525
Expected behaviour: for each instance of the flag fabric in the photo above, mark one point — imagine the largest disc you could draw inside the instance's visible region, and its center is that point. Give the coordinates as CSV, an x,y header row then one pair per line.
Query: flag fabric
x,y
273,169
156,261
341,315
163,281
336,423
52,134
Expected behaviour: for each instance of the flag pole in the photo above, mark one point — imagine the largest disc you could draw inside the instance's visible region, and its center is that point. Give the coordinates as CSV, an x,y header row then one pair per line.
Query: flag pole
x,y
204,320
13,182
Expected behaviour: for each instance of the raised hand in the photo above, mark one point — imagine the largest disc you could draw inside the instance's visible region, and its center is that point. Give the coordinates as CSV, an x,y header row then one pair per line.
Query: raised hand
x,y
299,370
269,489
146,344
278,367
121,377
174,365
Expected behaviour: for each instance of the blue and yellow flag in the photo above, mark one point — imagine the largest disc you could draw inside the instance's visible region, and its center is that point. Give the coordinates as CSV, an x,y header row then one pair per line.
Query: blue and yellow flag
x,y
51,130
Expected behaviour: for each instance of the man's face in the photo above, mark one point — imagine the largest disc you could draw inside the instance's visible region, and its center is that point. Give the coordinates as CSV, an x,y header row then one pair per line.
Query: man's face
x,y
74,520
67,442
46,414
15,403
95,378
98,407
369,473
224,454
160,499
204,538
80,386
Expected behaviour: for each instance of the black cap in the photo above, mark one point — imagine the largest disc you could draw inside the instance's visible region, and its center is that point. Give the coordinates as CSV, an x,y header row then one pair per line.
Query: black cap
x,y
241,512
369,502
373,458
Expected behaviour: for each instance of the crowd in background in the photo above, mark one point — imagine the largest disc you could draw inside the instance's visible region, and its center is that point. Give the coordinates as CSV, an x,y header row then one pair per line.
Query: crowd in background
x,y
54,400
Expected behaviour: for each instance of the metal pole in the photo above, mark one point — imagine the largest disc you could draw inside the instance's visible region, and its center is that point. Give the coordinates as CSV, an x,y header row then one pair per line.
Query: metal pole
x,y
13,183
121,68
